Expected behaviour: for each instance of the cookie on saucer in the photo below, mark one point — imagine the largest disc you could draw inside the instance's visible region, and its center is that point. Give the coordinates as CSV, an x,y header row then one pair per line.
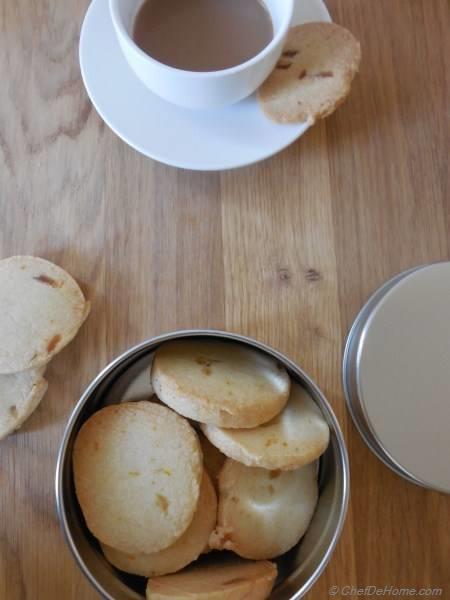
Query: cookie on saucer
x,y
313,76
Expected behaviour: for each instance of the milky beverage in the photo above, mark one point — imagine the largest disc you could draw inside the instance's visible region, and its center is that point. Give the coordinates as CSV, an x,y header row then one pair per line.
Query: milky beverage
x,y
202,35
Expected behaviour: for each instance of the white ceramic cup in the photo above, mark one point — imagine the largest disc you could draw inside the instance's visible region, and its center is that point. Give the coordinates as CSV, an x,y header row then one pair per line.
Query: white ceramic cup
x,y
201,89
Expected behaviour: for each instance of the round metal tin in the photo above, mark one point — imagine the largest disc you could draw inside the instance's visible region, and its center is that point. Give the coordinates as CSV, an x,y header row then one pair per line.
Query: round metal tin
x,y
396,374
298,569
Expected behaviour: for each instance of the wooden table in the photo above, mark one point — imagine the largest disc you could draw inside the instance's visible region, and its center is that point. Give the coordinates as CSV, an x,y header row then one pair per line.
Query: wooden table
x,y
286,251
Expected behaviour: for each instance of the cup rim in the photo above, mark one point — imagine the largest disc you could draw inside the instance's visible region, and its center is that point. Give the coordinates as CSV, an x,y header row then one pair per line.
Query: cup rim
x,y
283,29
213,333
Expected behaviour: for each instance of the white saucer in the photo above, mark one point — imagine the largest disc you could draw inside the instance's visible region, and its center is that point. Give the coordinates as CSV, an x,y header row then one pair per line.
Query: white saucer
x,y
210,140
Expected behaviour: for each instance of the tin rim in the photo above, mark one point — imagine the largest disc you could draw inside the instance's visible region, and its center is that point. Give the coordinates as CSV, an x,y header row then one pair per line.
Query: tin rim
x,y
351,384
150,343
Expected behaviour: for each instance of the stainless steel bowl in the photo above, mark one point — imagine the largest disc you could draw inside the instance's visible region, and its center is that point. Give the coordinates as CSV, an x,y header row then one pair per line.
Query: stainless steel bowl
x,y
298,569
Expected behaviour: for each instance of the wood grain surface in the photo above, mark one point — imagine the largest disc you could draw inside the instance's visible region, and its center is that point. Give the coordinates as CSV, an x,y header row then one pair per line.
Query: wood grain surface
x,y
285,251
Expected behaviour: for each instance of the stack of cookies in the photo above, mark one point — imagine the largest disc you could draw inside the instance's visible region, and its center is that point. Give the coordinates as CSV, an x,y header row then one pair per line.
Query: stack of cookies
x,y
41,310
224,458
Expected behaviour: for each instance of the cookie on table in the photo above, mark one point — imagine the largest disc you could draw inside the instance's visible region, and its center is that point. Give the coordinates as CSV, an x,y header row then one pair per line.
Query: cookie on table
x,y
184,551
294,438
231,579
263,514
20,395
41,310
220,383
137,471
313,76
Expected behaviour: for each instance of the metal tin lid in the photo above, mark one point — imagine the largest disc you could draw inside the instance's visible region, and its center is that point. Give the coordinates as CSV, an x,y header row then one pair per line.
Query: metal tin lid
x,y
397,375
